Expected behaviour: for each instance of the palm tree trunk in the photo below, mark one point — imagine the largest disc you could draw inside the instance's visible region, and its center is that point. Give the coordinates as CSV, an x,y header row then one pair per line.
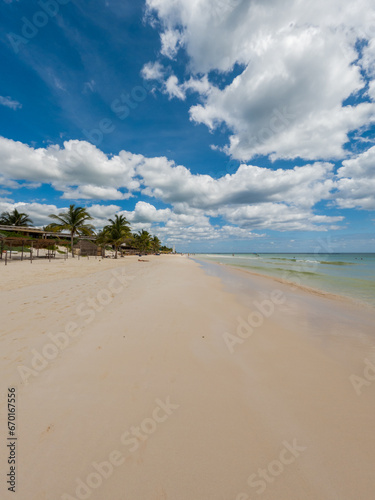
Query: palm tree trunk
x,y
116,249
71,243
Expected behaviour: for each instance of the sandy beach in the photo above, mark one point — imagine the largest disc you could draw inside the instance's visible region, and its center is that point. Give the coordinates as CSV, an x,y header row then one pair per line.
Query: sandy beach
x,y
165,380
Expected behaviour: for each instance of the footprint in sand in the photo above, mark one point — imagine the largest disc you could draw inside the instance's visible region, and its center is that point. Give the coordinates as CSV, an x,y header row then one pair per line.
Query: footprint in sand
x,y
47,431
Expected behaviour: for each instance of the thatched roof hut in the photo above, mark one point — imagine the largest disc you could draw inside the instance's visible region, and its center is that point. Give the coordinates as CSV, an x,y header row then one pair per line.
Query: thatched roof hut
x,y
87,248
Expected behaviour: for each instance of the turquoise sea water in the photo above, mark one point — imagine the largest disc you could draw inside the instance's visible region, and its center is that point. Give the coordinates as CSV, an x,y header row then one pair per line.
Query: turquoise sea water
x,y
348,274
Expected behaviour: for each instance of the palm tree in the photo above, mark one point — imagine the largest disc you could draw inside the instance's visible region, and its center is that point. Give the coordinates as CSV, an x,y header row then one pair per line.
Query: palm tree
x,y
142,240
165,249
15,218
155,244
116,233
74,221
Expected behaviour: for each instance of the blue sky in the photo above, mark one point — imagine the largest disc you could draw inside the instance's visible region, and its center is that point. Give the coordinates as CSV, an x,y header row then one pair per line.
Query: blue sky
x,y
219,125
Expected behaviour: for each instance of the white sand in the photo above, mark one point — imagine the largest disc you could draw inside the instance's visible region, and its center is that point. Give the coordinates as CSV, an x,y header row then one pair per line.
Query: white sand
x,y
161,337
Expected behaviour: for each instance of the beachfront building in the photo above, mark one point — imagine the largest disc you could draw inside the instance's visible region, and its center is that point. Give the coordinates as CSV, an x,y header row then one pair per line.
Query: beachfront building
x,y
23,242
37,233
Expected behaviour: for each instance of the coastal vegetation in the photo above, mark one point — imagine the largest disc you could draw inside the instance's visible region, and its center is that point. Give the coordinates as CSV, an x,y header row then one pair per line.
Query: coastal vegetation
x,y
117,235
15,218
74,221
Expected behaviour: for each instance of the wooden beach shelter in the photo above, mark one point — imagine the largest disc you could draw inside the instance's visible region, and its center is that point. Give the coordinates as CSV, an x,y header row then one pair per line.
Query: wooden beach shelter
x,y
27,246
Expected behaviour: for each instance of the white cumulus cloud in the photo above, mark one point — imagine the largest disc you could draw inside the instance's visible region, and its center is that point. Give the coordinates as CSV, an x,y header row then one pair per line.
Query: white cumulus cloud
x,y
152,71
356,184
79,169
250,198
298,59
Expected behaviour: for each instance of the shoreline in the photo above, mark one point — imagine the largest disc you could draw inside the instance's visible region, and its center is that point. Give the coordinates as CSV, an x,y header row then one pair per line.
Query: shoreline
x,y
305,288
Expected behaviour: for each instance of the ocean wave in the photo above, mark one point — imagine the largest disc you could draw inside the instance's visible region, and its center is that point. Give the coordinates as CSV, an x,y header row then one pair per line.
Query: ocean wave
x,y
279,258
295,272
337,263
296,260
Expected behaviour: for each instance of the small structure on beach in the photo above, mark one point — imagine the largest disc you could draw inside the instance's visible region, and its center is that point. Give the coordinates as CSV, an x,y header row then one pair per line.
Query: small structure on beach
x,y
25,243
11,247
87,248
